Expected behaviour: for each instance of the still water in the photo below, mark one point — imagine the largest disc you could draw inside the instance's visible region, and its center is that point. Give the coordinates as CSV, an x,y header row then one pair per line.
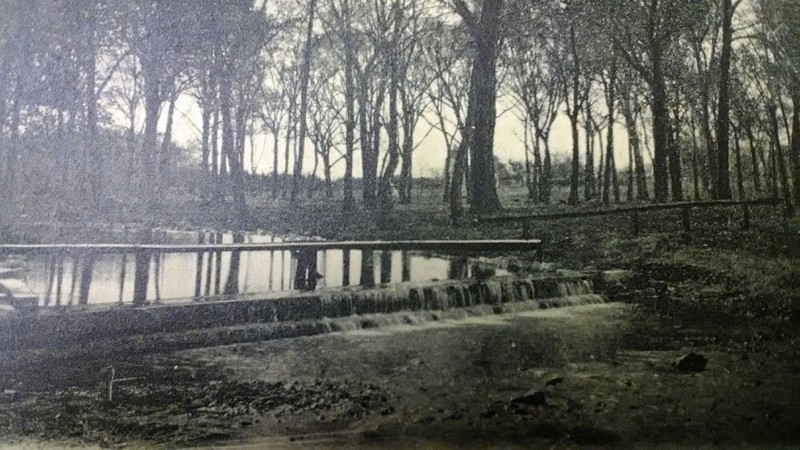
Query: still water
x,y
174,277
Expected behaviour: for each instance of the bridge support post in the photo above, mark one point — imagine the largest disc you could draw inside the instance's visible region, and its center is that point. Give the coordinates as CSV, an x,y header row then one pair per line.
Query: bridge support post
x,y
86,279
141,275
685,219
405,271
367,268
386,266
346,267
305,276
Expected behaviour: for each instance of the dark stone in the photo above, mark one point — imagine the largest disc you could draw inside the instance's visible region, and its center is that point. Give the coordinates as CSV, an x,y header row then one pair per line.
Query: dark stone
x,y
691,362
554,381
534,398
482,272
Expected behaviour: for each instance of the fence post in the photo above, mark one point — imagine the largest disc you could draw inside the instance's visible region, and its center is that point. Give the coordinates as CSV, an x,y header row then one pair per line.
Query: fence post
x,y
141,275
636,224
305,275
685,219
746,216
198,273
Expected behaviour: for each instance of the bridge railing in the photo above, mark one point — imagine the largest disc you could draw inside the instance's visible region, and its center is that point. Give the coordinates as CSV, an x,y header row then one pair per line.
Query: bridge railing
x,y
635,212
304,254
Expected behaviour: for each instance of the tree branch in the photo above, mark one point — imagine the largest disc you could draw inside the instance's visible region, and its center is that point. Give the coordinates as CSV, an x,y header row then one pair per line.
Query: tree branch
x,y
468,16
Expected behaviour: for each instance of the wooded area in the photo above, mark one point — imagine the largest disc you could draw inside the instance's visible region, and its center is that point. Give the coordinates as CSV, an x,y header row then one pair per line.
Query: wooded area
x,y
708,92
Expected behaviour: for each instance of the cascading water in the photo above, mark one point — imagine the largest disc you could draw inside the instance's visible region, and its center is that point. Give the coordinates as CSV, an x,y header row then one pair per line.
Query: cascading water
x,y
457,300
307,313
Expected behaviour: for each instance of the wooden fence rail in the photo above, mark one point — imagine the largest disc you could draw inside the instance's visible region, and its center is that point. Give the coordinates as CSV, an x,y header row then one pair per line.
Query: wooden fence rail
x,y
305,253
635,211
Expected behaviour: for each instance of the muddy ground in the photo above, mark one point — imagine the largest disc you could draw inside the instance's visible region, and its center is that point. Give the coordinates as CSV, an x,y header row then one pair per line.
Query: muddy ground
x,y
600,375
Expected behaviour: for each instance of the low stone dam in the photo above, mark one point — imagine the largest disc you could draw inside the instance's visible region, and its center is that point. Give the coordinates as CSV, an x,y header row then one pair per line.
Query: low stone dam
x,y
125,328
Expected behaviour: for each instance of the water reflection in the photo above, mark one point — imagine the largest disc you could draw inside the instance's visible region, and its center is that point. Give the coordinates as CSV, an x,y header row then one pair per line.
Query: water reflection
x,y
102,278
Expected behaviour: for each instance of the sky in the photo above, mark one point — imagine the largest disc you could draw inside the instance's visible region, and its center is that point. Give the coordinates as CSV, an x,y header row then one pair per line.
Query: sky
x,y
428,160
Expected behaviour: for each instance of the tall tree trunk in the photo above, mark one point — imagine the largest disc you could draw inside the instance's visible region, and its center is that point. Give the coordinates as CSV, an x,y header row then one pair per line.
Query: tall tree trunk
x,y
304,75
482,171
660,140
164,161
205,135
349,201
456,182
675,164
229,151
572,112
215,155
275,162
695,165
537,170
326,163
754,160
589,180
739,177
460,162
601,167
611,104
4,63
630,193
385,186
232,283
12,153
407,160
287,151
152,103
794,154
447,159
723,187
313,178
369,162
636,150
547,174
772,166
529,183
780,161
709,171
658,105
95,165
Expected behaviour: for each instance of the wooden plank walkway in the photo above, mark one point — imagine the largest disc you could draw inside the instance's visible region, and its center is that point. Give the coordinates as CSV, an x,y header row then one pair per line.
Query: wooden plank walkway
x,y
499,245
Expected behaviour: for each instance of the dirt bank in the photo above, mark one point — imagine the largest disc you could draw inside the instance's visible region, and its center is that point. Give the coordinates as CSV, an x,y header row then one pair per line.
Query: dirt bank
x,y
594,375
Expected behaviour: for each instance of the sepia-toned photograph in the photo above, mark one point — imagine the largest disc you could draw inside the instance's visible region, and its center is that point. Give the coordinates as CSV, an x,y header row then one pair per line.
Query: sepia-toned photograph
x,y
411,224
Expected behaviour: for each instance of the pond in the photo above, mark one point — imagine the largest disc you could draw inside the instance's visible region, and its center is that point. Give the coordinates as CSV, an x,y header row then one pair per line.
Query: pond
x,y
174,276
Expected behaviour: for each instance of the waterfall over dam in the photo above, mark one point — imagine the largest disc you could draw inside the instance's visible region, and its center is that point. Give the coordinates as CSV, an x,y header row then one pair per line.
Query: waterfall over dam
x,y
252,319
